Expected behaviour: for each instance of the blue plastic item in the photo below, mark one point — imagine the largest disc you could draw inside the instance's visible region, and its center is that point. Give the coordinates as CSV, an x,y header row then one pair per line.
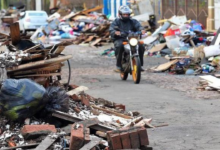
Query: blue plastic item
x,y
22,98
65,36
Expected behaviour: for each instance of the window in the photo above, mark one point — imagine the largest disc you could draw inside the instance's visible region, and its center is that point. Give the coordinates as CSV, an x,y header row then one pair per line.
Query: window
x,y
36,14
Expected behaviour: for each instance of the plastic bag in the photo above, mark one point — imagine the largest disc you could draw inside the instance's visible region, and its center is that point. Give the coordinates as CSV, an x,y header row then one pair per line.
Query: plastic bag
x,y
57,99
22,98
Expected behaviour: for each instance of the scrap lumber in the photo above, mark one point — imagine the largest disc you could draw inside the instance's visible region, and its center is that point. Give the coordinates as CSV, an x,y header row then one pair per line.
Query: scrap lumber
x,y
38,75
77,90
39,70
73,119
15,33
39,63
46,143
165,66
29,146
134,121
93,9
96,42
112,112
32,48
158,48
94,141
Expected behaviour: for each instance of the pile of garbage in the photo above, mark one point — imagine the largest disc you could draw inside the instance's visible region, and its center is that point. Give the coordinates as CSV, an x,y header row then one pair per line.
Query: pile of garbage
x,y
52,118
11,14
21,58
188,47
85,27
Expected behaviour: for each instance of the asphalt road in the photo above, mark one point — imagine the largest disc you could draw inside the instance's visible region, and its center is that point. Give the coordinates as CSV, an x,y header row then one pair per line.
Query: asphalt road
x,y
193,116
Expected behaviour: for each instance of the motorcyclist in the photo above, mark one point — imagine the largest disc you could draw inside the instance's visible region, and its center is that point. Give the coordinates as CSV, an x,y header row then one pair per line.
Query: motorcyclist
x,y
126,23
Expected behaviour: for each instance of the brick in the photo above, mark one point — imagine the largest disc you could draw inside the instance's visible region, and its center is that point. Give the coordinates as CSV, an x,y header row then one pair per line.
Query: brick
x,y
77,137
134,138
85,100
143,136
34,131
76,98
125,140
73,86
114,141
121,106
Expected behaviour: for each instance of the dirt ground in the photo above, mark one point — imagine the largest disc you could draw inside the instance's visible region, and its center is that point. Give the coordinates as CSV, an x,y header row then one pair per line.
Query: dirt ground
x,y
169,99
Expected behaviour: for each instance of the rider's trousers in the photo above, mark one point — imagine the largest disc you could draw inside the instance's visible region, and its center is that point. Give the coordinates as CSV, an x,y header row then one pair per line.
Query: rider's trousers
x,y
119,48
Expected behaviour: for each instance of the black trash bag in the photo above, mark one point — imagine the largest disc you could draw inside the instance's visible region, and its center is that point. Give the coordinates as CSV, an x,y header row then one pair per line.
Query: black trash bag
x,y
22,98
24,44
57,99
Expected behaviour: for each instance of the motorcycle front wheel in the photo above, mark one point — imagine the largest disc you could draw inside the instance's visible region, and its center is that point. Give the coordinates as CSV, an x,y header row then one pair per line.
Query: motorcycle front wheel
x,y
136,72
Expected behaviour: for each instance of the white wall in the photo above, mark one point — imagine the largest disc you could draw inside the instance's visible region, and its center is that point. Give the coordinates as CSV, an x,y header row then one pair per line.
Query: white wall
x,y
38,4
217,14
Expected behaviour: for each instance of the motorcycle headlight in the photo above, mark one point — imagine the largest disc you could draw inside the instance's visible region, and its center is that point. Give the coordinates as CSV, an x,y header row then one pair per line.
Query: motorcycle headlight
x,y
133,41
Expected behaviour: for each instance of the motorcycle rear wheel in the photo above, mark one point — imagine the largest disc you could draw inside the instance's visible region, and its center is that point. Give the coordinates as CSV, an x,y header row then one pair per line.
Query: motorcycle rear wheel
x,y
136,72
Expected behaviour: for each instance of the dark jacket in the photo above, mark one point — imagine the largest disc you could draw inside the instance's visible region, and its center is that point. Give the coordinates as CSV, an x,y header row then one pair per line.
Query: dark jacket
x,y
129,25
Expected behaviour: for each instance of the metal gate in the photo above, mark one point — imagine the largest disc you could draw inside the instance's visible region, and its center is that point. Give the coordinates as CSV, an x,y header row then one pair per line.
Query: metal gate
x,y
193,9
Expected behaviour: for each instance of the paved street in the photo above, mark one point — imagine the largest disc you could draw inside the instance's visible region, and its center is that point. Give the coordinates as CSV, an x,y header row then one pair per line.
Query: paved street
x,y
193,116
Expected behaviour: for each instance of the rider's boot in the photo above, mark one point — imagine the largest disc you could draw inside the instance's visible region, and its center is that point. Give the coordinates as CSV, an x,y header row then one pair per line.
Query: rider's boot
x,y
118,69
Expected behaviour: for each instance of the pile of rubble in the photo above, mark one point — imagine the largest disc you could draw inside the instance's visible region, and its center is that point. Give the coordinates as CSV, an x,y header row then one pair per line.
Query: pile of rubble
x,y
189,49
83,123
21,58
55,115
85,27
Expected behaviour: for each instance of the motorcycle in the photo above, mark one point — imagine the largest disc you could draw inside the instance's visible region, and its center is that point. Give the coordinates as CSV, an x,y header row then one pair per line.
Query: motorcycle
x,y
130,58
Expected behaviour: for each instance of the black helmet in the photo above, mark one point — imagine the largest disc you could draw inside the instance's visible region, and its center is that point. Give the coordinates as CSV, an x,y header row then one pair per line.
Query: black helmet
x,y
124,9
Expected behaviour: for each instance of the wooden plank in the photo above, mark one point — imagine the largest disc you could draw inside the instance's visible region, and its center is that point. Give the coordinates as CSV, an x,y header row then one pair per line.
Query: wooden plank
x,y
112,112
89,39
86,123
22,146
39,51
158,48
94,141
32,48
39,75
39,63
43,69
165,66
15,33
77,90
46,143
73,119
96,42
93,9
58,50
33,56
133,122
